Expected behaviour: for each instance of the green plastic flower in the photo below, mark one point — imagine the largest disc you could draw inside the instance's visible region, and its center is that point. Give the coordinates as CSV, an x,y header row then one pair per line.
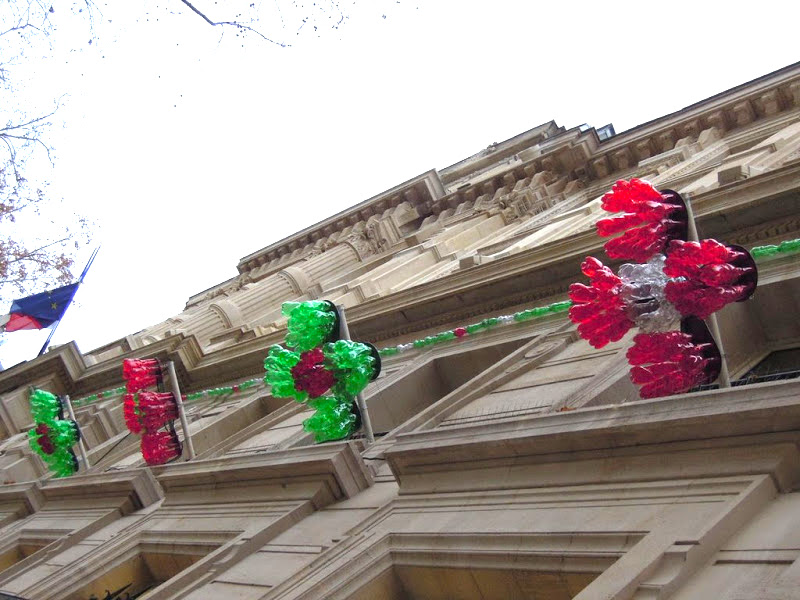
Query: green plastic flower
x,y
327,376
53,436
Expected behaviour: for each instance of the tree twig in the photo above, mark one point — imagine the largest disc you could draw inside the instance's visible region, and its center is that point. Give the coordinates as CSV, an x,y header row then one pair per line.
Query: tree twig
x,y
235,24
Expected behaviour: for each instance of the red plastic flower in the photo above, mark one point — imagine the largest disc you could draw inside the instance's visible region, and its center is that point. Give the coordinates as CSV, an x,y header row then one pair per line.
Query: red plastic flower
x,y
599,309
671,363
310,375
650,219
715,275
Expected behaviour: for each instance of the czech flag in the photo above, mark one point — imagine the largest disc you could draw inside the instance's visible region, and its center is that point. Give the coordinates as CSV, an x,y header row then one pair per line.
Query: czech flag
x,y
40,310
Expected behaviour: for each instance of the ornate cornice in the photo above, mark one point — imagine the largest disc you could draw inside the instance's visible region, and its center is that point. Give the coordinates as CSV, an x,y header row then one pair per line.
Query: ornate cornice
x,y
421,190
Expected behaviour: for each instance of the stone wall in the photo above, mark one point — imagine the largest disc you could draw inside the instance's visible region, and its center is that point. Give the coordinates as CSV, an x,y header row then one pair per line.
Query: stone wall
x,y
517,463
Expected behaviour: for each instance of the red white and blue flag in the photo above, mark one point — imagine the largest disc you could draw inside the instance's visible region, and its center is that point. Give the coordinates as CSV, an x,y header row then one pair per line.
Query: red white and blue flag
x,y
43,310
40,310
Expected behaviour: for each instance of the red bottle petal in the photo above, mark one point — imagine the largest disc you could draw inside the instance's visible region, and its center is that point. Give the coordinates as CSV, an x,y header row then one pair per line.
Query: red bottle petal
x,y
628,195
130,413
669,363
649,221
157,409
613,225
599,310
160,447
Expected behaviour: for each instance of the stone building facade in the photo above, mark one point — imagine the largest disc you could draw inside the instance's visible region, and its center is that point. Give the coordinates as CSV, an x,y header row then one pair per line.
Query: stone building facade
x,y
514,463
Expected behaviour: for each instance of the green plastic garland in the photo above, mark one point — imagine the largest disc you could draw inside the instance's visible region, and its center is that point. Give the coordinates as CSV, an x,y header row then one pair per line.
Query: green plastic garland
x,y
53,436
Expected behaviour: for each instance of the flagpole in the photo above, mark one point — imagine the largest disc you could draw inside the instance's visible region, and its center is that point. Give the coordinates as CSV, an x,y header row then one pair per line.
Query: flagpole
x,y
344,334
724,374
80,281
81,447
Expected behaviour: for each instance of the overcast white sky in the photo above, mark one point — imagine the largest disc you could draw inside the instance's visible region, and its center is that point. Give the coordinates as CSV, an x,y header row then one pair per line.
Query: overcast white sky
x,y
190,152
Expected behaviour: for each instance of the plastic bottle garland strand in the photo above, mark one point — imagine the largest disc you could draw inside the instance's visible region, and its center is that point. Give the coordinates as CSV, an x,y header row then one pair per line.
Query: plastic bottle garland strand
x,y
786,247
222,391
53,436
479,327
104,395
194,396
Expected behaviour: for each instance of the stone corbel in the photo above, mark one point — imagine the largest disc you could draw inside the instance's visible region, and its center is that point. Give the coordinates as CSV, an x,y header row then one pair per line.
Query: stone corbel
x,y
573,187
770,103
718,120
601,167
794,92
666,140
644,149
483,202
743,113
692,128
556,186
543,178
552,164
622,159
708,137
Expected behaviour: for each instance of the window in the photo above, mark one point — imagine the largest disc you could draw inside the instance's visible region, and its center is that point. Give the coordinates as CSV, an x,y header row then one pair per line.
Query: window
x,y
776,366
139,570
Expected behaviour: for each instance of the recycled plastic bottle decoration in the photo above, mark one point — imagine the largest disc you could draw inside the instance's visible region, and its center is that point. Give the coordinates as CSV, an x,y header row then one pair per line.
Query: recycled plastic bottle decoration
x,y
150,413
321,370
53,436
674,281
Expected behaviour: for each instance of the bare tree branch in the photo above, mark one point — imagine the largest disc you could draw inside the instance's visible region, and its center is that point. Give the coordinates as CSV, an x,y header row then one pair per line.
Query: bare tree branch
x,y
30,123
234,24
19,28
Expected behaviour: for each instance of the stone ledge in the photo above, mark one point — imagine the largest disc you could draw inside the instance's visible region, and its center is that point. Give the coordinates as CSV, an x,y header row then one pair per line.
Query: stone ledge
x,y
139,486
29,495
337,464
752,410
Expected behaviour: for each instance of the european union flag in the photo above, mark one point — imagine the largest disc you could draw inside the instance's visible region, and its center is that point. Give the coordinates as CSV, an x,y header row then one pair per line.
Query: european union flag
x,y
40,310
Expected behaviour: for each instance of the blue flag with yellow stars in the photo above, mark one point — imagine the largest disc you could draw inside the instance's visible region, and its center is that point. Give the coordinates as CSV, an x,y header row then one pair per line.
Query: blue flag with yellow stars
x,y
40,310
